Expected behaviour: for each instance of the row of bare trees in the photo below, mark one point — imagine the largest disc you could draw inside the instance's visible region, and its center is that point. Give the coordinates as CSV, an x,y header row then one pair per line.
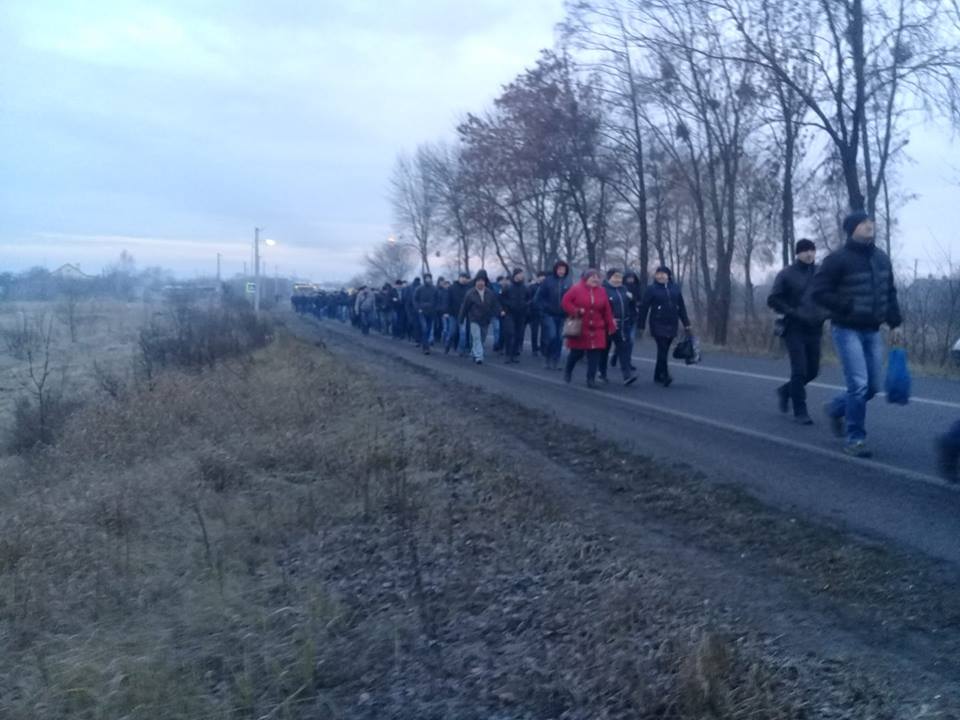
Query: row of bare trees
x,y
695,133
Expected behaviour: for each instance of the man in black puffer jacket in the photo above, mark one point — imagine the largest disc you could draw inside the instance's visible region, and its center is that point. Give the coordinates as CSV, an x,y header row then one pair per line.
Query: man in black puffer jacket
x,y
548,301
802,327
425,304
513,300
855,284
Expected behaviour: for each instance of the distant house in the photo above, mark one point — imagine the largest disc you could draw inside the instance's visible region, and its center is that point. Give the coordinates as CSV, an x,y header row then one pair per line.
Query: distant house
x,y
70,272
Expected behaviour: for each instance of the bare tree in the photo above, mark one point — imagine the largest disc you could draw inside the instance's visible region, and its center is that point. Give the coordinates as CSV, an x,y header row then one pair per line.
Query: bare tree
x,y
388,262
415,200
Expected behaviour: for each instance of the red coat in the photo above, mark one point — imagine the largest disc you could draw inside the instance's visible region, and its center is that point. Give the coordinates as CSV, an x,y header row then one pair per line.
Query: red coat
x,y
597,316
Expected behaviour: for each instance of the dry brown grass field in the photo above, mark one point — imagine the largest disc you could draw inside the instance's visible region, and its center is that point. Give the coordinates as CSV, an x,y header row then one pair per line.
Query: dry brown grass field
x,y
284,535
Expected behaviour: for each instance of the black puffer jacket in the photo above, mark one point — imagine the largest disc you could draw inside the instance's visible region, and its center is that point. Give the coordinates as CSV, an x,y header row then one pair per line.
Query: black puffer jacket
x,y
513,298
458,291
425,299
792,297
664,304
855,284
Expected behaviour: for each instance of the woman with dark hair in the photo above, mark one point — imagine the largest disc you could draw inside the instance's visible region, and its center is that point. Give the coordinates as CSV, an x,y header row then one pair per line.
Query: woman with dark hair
x,y
663,302
588,301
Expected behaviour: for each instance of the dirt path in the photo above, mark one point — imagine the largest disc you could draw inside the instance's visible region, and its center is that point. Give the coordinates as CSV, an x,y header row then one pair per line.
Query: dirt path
x,y
871,631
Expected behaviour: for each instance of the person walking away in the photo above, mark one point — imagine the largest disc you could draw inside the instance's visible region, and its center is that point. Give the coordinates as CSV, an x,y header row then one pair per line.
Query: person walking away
x,y
663,303
622,308
855,284
480,306
457,294
588,301
802,328
549,301
513,301
533,313
425,302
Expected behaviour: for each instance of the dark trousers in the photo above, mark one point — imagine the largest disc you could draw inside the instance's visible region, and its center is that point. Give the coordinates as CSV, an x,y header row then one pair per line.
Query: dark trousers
x,y
621,347
662,372
952,438
534,323
512,325
593,361
803,346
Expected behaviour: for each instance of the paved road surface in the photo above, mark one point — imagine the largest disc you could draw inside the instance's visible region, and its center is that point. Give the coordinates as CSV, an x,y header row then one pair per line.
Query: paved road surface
x,y
721,418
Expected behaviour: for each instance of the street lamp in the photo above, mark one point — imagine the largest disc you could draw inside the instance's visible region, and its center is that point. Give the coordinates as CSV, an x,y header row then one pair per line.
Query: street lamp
x,y
256,265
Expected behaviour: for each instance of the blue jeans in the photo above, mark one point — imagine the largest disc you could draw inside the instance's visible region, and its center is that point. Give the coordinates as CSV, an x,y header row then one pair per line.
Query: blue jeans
x,y
463,337
861,353
449,323
426,330
551,340
478,334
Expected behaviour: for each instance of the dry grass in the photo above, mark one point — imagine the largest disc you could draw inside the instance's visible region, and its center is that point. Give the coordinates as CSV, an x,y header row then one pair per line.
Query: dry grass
x,y
282,538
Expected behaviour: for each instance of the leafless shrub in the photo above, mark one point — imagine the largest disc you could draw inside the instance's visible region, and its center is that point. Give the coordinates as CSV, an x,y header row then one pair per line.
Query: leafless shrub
x,y
196,336
22,338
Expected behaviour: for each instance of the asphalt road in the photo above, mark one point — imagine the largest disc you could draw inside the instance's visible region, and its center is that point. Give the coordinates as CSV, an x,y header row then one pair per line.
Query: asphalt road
x,y
721,417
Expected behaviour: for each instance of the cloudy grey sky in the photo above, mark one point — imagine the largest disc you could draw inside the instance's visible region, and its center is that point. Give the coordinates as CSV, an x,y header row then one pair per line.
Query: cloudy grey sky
x,y
172,128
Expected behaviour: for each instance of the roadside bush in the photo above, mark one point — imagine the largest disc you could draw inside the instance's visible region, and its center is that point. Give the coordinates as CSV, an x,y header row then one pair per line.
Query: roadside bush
x,y
197,336
34,425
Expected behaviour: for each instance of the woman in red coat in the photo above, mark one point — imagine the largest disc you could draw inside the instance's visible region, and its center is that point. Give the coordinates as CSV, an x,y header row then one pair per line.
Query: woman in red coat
x,y
588,301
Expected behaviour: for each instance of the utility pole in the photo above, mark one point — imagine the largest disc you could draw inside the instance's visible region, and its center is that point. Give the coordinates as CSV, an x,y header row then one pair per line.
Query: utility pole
x,y
256,270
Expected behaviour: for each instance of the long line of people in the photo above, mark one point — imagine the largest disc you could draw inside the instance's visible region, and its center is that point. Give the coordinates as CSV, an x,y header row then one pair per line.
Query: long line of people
x,y
459,316
601,317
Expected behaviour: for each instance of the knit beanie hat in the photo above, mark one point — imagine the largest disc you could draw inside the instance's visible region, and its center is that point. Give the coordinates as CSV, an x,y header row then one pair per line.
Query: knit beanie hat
x,y
803,245
592,272
851,221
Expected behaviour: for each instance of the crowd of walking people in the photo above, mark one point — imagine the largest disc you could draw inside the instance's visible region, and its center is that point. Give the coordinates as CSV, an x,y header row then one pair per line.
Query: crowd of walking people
x,y
599,318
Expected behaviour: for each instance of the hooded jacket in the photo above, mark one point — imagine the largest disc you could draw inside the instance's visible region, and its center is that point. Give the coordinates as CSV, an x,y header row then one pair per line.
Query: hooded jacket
x,y
792,297
480,309
855,283
597,316
550,294
665,307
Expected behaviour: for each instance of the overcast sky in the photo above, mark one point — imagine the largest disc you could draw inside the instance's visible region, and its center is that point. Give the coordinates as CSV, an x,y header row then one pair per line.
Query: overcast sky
x,y
172,128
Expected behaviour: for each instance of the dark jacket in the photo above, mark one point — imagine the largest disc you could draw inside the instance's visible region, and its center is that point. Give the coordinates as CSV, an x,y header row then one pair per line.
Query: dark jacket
x,y
425,299
621,304
533,312
855,283
551,292
457,293
792,297
443,300
406,297
665,306
480,311
513,298
635,290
